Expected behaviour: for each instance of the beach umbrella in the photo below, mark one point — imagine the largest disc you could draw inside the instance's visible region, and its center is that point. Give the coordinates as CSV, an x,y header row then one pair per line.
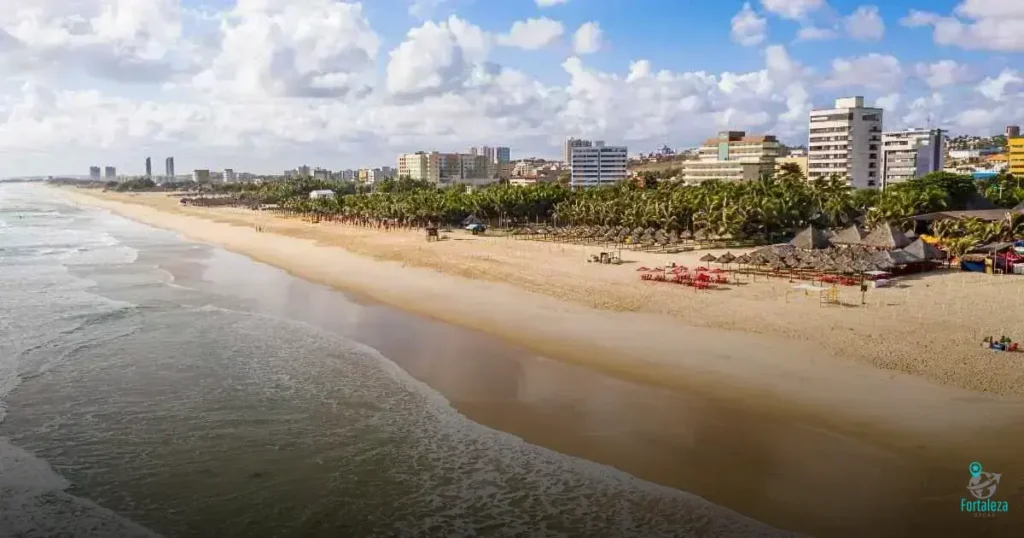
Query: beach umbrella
x,y
708,258
811,238
686,234
744,259
728,257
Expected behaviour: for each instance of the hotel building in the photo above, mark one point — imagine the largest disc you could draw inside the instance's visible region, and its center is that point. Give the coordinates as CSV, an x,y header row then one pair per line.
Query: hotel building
x,y
846,141
420,166
732,156
912,153
597,164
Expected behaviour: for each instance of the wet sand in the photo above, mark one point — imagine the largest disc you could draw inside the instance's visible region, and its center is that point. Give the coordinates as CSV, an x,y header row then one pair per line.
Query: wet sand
x,y
779,467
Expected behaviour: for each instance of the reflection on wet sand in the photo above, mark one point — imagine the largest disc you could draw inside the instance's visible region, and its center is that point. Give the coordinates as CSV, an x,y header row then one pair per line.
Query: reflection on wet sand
x,y
772,468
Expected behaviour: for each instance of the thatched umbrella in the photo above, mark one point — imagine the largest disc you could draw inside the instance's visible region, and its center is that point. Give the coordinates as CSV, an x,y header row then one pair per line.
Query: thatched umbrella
x,y
708,258
728,257
811,238
851,235
742,260
923,250
886,236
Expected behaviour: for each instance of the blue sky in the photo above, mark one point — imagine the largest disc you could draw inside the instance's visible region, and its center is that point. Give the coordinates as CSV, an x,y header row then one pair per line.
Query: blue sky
x,y
266,85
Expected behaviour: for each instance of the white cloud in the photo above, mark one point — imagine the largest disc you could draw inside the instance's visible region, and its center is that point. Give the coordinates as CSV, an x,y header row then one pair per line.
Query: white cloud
x,y
874,71
793,9
436,58
865,24
943,73
532,34
588,38
267,84
997,88
549,3
996,25
748,28
280,48
815,33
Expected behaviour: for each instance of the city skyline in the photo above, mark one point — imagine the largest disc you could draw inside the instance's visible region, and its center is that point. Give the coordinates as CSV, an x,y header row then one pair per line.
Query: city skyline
x,y
171,78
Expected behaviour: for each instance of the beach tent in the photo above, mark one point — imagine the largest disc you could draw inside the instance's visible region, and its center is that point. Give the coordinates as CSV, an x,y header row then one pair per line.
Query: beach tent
x,y
886,236
811,238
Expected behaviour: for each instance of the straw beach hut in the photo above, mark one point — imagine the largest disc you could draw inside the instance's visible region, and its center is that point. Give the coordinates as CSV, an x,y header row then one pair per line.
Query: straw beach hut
x,y
811,238
852,235
924,251
886,236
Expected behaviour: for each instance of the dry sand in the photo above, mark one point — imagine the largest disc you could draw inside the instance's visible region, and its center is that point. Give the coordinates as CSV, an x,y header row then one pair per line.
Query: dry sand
x,y
908,363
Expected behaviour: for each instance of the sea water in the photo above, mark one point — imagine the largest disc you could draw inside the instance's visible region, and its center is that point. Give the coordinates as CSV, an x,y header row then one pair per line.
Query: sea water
x,y
134,404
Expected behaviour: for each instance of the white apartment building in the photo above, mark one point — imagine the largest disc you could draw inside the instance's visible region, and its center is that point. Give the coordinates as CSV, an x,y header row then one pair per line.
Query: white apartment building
x,y
420,166
846,141
200,176
229,175
912,153
597,164
733,156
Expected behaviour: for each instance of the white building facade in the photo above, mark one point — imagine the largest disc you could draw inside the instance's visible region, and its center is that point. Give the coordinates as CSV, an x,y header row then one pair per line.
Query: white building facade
x,y
597,164
912,153
846,141
733,156
229,175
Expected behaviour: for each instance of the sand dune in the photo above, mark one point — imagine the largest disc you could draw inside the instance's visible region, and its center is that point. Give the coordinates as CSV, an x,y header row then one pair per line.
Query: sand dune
x,y
907,359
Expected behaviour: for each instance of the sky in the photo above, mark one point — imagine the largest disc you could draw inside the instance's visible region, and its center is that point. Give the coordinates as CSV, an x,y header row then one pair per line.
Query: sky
x,y
268,85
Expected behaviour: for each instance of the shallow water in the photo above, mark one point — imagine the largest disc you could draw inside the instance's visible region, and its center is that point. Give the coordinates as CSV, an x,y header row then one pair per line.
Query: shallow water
x,y
191,393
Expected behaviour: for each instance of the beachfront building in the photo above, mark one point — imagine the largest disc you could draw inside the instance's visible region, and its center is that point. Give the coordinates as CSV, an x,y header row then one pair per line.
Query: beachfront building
x,y
110,173
1016,156
94,173
732,156
597,164
421,166
846,140
200,176
169,169
229,176
911,153
149,168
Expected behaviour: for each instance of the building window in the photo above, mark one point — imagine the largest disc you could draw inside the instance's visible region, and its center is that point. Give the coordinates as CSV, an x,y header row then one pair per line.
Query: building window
x,y
871,183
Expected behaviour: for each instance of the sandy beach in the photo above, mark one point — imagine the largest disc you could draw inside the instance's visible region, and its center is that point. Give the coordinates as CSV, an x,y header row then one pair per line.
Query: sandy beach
x,y
899,386
762,337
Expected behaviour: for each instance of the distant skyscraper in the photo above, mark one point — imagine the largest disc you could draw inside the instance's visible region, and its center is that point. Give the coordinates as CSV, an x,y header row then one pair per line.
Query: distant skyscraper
x,y
1013,131
169,168
94,173
229,175
110,173
503,155
149,168
571,143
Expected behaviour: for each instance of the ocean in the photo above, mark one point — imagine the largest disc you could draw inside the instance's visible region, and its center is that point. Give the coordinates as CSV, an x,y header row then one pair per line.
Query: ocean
x,y
150,385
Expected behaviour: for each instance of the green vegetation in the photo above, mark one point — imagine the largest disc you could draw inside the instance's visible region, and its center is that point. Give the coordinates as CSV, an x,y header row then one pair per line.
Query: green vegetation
x,y
766,209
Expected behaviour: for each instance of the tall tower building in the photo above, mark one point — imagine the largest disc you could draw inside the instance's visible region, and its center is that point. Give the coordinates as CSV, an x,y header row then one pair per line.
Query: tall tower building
x,y
846,141
149,168
94,173
110,173
169,168
1013,131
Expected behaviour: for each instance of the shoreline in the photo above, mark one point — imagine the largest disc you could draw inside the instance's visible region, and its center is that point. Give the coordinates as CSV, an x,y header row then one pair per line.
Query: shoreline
x,y
769,374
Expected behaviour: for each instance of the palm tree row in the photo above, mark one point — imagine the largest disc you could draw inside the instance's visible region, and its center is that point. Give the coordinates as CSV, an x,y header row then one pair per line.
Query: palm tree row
x,y
761,209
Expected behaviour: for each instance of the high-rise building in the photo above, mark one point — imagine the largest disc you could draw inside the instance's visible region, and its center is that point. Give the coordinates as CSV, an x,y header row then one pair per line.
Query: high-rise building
x,y
1016,156
149,168
169,169
94,173
597,164
1013,131
110,173
912,153
503,156
303,171
420,166
229,175
733,156
571,143
846,141
201,176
